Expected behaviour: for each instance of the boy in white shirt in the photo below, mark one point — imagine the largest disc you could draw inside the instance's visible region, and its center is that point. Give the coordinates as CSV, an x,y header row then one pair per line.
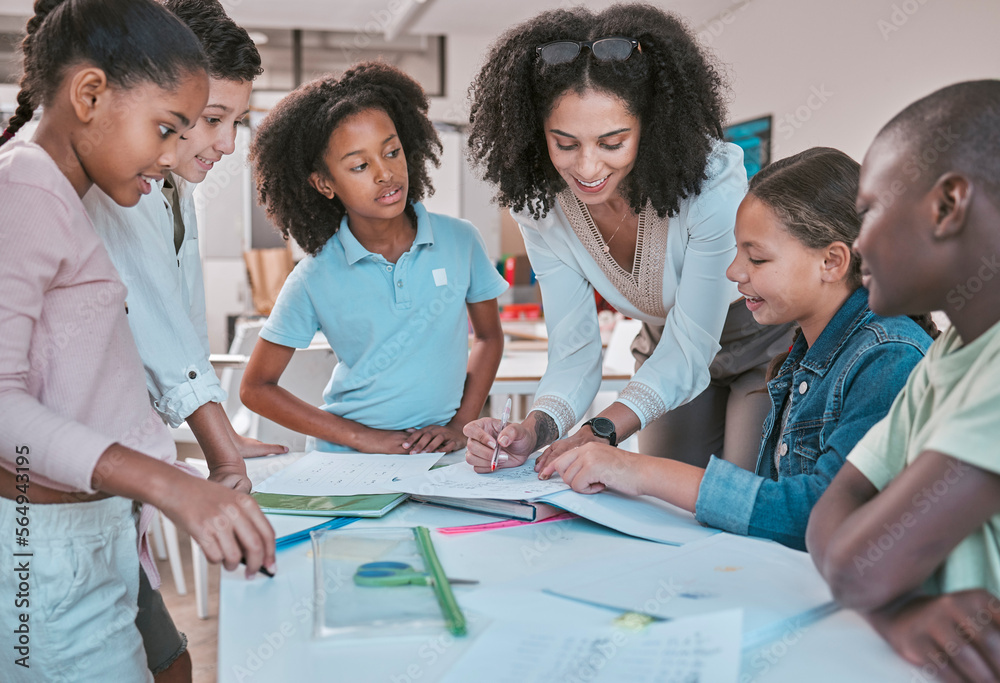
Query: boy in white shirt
x,y
154,246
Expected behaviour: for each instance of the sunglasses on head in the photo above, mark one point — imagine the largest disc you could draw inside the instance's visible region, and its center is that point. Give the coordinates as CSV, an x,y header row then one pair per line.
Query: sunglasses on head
x,y
611,49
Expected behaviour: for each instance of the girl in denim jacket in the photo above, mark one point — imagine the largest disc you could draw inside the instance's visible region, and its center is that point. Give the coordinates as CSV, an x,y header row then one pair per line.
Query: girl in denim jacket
x,y
794,232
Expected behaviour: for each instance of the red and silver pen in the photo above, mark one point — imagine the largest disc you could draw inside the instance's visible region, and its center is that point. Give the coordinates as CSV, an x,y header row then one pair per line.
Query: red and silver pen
x,y
503,425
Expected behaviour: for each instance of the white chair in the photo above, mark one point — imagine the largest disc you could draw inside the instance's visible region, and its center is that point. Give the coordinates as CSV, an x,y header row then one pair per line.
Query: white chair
x,y
306,376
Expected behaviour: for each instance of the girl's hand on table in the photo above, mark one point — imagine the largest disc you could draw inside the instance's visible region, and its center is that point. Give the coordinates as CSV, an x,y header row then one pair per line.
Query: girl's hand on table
x,y
435,438
583,436
252,448
370,440
593,467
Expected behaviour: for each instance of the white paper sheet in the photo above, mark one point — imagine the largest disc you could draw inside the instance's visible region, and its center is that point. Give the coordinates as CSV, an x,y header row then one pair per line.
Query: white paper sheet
x,y
704,648
461,481
346,474
643,517
770,582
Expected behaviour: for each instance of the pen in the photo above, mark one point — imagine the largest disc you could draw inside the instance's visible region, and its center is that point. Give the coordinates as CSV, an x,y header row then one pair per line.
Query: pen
x,y
263,570
503,425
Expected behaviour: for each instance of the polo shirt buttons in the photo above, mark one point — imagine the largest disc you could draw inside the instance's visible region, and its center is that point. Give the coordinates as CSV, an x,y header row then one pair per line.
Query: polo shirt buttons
x,y
389,268
192,375
399,283
783,448
803,387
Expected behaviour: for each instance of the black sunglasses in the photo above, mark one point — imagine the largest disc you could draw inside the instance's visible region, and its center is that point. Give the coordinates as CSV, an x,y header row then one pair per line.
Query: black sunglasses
x,y
612,49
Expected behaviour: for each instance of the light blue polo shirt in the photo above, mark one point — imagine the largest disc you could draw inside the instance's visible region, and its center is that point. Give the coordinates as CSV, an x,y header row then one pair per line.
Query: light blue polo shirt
x,y
400,330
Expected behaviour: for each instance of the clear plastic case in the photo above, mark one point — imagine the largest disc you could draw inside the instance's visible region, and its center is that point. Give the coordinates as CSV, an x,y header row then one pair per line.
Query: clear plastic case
x,y
380,582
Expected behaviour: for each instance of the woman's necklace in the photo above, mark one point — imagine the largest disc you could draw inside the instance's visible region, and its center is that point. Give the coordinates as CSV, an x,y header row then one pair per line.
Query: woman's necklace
x,y
607,245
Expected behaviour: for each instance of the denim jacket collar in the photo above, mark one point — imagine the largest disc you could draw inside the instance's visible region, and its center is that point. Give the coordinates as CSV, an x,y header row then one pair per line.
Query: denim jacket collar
x,y
821,354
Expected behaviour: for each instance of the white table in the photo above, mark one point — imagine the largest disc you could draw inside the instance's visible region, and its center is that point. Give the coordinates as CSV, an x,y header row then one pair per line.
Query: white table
x,y
265,625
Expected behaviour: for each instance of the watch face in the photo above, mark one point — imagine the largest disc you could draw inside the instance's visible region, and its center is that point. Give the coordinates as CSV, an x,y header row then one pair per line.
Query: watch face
x,y
602,427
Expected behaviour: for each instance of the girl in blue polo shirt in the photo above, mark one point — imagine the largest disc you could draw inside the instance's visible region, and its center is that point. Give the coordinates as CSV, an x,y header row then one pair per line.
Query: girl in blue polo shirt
x,y
794,232
341,165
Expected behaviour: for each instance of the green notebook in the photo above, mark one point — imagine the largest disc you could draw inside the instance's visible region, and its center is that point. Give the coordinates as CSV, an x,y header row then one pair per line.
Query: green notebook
x,y
368,505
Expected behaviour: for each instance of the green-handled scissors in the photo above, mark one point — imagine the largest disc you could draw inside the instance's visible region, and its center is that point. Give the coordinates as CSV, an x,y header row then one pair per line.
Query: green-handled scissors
x,y
396,574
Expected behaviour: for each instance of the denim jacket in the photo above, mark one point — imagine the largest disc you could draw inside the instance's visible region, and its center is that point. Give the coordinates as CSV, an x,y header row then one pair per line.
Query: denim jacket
x,y
838,389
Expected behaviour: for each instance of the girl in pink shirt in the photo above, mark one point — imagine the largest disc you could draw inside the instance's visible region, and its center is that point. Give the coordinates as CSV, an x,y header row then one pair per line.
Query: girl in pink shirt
x,y
120,80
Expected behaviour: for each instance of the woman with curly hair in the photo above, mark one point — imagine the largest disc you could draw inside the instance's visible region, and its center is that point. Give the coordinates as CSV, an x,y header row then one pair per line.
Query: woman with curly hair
x,y
603,134
341,166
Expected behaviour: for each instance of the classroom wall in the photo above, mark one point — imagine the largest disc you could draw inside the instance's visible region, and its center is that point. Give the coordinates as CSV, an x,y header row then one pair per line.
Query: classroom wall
x,y
832,73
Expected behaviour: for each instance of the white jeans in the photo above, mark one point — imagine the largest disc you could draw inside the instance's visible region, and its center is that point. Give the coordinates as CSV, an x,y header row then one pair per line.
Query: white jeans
x,y
77,591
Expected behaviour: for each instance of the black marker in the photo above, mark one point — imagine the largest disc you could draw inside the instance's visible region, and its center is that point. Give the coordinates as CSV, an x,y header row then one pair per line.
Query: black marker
x,y
263,570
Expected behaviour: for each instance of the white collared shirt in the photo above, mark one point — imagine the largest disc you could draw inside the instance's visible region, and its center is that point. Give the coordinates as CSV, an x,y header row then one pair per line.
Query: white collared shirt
x,y
166,296
691,291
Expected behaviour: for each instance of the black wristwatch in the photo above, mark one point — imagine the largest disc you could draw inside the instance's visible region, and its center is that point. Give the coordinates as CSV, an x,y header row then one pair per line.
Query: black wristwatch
x,y
603,428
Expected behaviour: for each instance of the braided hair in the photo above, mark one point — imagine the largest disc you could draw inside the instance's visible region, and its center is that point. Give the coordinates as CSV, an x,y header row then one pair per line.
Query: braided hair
x,y
291,141
132,41
670,85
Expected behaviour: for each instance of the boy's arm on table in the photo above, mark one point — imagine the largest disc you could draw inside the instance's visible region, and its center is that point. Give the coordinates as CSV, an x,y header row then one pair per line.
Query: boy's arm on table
x,y
949,631
927,510
228,525
260,392
481,370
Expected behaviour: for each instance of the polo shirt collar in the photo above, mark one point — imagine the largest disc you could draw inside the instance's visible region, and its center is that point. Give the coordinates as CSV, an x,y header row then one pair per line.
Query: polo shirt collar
x,y
424,233
354,251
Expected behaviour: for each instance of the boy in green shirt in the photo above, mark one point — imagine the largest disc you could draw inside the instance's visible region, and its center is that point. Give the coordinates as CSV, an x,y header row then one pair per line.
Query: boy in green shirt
x,y
909,530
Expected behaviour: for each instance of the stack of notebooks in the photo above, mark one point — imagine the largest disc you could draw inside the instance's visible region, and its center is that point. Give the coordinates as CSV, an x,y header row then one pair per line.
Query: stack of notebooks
x,y
528,511
340,484
363,505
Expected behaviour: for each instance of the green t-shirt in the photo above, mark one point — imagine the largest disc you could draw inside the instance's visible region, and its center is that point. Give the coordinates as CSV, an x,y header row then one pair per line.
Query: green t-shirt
x,y
950,404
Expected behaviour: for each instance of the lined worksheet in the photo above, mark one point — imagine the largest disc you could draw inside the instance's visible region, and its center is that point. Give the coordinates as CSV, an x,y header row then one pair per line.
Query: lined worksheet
x,y
702,649
346,474
461,481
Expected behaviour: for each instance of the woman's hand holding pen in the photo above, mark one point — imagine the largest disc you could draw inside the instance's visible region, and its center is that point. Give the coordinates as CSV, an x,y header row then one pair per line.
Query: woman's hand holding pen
x,y
516,443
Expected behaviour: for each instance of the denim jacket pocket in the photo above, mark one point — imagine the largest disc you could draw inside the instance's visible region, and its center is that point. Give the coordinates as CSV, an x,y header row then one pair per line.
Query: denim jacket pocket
x,y
805,450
